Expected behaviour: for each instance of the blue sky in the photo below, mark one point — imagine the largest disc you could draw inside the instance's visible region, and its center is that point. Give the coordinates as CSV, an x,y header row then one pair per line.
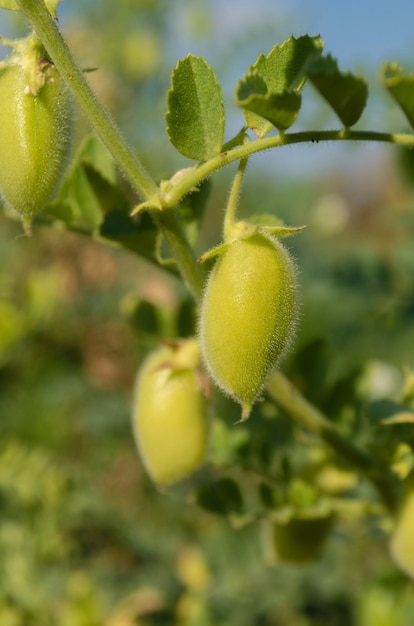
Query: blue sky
x,y
355,31
368,30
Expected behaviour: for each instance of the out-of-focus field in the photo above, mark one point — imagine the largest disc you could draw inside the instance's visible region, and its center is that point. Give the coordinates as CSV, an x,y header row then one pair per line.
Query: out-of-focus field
x,y
85,539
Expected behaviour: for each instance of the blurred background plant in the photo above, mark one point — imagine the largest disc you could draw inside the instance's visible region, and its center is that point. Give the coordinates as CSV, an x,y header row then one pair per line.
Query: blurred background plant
x,y
85,539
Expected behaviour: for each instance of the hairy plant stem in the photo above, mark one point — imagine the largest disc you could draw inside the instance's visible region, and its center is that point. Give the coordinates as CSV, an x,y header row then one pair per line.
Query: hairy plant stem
x,y
285,394
183,254
46,29
173,191
232,203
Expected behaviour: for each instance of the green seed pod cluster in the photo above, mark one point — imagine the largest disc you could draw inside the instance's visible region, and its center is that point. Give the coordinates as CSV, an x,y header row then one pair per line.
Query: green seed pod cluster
x,y
35,129
248,315
169,416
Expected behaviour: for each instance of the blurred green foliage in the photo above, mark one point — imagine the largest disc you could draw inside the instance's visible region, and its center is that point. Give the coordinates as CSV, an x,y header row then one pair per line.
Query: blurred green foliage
x,y
85,539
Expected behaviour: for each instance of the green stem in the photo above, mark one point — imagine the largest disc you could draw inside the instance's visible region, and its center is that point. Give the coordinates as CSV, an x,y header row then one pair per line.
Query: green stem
x,y
176,189
233,201
181,250
99,117
285,394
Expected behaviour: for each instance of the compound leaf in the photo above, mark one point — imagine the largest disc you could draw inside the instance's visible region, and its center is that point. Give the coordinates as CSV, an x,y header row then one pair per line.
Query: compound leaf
x,y
268,93
195,117
91,201
285,66
401,87
253,85
280,109
89,188
346,94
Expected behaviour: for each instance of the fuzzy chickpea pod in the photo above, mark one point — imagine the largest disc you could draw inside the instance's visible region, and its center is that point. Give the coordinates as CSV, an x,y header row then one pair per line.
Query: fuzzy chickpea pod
x,y
35,129
169,415
248,315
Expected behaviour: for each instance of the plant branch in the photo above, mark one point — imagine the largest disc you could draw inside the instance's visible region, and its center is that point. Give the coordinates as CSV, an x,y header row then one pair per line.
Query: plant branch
x,y
99,117
231,208
191,271
175,190
285,394
46,29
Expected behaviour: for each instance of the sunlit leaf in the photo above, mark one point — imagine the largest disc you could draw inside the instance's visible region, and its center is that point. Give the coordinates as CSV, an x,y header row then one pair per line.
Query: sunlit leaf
x,y
284,67
280,109
89,188
401,87
94,153
77,204
268,92
195,117
345,93
91,200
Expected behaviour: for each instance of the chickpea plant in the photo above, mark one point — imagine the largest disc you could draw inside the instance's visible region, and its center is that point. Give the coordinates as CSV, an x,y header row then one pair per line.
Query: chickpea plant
x,y
247,303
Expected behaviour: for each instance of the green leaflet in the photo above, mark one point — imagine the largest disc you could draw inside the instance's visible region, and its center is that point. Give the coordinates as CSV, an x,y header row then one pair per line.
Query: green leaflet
x,y
195,117
345,93
401,87
268,92
91,201
284,67
89,188
280,109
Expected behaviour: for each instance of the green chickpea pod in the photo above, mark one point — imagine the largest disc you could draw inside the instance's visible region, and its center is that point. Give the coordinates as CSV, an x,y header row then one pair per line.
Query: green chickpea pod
x,y
35,130
169,416
248,314
248,309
